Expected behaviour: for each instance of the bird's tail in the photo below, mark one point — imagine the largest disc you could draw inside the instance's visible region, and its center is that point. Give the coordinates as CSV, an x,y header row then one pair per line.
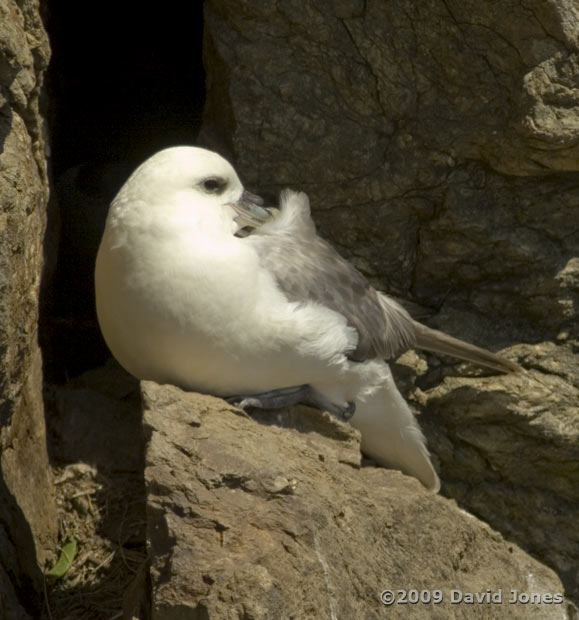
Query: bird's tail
x,y
439,342
391,435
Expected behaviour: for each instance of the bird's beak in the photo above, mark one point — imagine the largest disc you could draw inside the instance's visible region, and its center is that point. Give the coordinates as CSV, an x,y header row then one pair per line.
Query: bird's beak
x,y
250,210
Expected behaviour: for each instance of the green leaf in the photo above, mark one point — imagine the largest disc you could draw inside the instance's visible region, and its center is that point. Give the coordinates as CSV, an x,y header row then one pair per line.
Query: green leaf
x,y
65,560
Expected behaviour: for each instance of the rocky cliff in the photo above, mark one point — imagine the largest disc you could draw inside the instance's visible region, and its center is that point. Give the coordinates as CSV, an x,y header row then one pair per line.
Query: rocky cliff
x,y
27,512
438,142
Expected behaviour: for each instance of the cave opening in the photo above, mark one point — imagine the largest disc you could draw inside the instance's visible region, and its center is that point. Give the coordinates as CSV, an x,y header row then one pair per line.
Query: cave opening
x,y
121,85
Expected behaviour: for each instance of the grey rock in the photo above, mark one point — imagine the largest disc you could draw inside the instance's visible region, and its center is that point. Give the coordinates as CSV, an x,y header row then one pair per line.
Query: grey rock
x,y
373,79
397,124
439,146
27,511
275,518
508,449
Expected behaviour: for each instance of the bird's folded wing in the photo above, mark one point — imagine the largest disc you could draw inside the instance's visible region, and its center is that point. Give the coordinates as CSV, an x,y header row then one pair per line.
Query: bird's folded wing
x,y
308,269
311,271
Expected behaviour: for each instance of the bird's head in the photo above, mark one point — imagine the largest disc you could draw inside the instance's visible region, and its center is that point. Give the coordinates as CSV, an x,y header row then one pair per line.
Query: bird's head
x,y
194,182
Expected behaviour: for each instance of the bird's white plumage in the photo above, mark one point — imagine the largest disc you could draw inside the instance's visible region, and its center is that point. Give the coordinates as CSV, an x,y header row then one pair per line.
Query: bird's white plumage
x,y
182,300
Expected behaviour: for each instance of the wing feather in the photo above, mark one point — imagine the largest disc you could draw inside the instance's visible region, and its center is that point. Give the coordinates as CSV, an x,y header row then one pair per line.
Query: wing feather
x,y
308,269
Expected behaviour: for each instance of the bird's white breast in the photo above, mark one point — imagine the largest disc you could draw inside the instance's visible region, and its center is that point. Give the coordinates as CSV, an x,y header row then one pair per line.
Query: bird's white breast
x,y
193,308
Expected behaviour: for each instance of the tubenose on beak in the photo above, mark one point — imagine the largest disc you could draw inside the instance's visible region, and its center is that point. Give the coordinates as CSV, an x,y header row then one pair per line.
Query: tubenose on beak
x,y
250,210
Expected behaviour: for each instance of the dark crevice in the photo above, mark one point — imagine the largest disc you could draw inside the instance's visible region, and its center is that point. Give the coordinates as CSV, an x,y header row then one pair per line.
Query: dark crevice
x,y
117,91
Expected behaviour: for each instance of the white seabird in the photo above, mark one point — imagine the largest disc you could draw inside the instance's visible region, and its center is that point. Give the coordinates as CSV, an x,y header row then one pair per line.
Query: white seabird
x,y
181,299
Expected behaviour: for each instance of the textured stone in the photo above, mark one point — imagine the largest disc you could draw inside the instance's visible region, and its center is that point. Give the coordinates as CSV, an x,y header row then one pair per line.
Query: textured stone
x,y
439,145
27,512
275,518
508,449
450,82
396,123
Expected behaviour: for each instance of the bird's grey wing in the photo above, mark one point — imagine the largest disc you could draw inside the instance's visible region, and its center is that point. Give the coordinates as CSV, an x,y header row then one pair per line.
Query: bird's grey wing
x,y
309,269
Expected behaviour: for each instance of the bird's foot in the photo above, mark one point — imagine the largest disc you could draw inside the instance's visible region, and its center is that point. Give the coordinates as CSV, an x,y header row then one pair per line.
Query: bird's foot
x,y
284,397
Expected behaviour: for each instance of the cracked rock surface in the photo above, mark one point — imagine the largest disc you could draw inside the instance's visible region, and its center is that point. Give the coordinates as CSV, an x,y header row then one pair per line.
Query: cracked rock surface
x,y
28,525
275,518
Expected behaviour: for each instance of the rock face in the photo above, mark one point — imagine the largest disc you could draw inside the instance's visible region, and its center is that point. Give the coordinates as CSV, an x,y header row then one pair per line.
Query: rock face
x,y
401,127
275,518
439,146
508,449
27,515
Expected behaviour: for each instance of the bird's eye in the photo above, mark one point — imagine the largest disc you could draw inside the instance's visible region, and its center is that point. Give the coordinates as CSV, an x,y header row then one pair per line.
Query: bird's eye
x,y
213,186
